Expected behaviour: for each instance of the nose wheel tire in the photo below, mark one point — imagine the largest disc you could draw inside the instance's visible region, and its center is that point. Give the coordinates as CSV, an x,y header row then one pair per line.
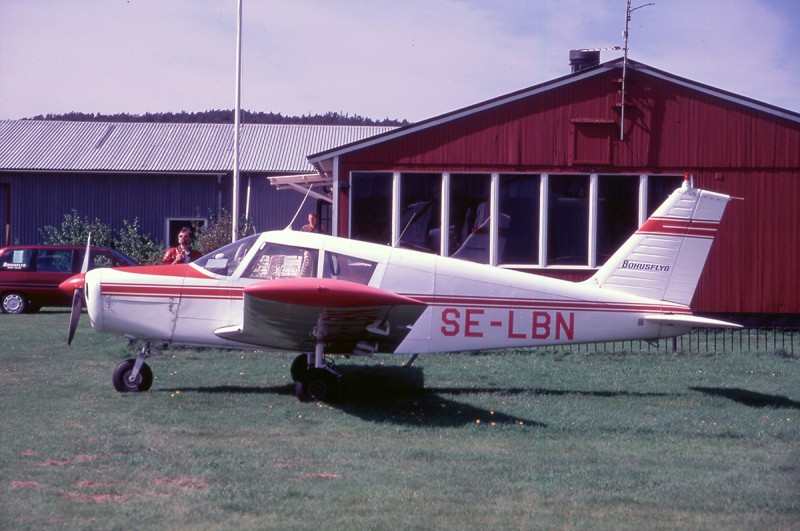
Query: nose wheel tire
x,y
123,381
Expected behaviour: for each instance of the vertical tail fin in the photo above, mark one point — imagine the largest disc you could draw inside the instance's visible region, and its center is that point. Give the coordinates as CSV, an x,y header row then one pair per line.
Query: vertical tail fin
x,y
664,258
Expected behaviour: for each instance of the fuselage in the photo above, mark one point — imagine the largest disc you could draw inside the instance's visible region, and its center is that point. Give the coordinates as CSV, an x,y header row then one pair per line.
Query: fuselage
x,y
468,306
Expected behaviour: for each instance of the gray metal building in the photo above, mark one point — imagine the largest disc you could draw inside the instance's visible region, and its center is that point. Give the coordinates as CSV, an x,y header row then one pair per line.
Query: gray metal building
x,y
154,172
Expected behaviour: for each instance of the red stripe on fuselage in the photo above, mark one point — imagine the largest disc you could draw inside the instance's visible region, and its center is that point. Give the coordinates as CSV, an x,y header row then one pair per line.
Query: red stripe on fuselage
x,y
549,304
157,291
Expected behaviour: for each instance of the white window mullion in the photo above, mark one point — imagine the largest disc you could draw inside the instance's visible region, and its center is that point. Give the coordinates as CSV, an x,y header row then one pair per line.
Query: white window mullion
x,y
642,199
494,220
543,202
335,207
444,226
396,208
593,192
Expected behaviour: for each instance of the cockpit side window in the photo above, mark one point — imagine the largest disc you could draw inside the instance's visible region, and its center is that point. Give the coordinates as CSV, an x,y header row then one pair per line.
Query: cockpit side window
x,y
344,267
282,261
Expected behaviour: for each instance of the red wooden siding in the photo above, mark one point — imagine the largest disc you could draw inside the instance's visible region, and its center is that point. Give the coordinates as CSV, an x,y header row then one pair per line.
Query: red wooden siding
x,y
733,147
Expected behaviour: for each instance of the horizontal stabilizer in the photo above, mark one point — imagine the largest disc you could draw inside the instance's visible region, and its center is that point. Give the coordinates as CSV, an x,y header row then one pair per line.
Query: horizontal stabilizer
x,y
689,320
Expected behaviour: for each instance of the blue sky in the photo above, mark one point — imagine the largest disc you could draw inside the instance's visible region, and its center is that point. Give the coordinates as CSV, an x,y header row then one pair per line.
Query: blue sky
x,y
377,58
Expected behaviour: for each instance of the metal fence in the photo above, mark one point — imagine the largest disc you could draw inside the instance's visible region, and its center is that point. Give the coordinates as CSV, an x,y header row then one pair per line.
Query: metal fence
x,y
708,340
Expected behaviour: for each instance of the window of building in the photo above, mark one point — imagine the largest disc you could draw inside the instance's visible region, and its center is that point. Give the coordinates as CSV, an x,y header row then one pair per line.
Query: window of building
x,y
579,220
420,207
658,189
469,217
520,200
617,213
371,207
568,220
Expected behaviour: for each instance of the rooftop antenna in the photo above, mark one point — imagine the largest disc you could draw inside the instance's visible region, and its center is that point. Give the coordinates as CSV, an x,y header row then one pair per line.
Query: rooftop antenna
x,y
628,12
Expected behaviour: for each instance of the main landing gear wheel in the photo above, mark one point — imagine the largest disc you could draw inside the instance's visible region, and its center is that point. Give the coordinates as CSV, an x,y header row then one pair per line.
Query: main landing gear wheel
x,y
123,381
316,384
299,368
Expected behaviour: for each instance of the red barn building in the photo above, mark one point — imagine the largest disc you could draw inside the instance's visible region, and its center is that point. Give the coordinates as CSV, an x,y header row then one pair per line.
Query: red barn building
x,y
552,178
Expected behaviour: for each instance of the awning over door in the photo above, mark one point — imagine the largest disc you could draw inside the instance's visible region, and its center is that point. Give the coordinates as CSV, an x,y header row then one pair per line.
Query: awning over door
x,y
314,184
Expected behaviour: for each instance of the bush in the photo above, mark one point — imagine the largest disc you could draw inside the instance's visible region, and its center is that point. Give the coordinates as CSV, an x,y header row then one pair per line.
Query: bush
x,y
133,243
140,248
130,240
75,230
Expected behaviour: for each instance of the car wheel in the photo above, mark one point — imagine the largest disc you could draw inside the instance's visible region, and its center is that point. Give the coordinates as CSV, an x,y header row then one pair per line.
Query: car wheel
x,y
13,303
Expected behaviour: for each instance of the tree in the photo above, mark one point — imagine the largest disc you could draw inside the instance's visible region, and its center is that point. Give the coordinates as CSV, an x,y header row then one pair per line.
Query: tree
x,y
218,232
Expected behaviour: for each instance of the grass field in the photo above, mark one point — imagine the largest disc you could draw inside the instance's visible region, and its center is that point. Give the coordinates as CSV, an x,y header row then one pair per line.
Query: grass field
x,y
511,439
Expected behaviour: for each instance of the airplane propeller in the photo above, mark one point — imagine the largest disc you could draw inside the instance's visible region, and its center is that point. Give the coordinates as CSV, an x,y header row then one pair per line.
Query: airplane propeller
x,y
78,298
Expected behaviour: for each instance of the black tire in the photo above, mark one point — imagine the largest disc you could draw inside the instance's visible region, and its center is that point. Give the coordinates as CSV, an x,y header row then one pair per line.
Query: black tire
x,y
319,384
122,377
299,368
14,303
300,392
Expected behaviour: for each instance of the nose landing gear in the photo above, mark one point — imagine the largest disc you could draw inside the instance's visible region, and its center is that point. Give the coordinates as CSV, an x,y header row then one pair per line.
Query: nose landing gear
x,y
134,375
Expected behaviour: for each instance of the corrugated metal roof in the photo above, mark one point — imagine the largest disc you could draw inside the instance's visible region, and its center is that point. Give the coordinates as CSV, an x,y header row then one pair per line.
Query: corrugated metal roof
x,y
167,147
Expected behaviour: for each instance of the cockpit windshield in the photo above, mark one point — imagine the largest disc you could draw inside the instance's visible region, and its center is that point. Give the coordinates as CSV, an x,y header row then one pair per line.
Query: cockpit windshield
x,y
225,260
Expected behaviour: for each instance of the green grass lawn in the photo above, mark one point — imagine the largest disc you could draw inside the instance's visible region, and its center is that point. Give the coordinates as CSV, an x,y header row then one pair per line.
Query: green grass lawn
x,y
508,439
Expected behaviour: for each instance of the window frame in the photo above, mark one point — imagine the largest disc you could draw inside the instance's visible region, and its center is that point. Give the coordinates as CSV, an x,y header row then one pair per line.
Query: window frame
x,y
545,182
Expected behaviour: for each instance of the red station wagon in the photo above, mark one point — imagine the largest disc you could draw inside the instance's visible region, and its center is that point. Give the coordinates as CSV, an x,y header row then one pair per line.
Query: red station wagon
x,y
30,274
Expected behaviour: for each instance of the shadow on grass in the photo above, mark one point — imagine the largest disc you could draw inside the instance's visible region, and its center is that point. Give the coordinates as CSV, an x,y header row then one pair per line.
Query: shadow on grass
x,y
392,395
749,398
398,395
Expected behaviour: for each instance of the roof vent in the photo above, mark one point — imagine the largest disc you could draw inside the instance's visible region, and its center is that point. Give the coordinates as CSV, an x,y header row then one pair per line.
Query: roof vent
x,y
580,59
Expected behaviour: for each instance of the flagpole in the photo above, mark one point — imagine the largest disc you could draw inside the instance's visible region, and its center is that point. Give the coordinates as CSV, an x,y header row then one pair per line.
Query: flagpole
x,y
236,126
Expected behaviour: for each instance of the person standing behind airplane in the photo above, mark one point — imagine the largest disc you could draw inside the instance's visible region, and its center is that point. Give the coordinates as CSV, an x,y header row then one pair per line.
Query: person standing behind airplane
x,y
312,225
181,253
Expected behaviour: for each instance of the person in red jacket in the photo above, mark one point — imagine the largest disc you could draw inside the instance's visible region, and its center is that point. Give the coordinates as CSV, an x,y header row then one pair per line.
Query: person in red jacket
x,y
181,253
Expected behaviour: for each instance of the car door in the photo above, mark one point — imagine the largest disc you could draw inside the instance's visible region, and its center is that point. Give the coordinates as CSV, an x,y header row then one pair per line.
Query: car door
x,y
52,267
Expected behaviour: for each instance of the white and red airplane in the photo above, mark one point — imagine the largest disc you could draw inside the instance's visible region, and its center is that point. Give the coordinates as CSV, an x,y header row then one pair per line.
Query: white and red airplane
x,y
321,295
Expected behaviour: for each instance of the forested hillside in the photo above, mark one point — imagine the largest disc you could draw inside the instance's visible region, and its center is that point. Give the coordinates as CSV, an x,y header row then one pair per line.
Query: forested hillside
x,y
224,116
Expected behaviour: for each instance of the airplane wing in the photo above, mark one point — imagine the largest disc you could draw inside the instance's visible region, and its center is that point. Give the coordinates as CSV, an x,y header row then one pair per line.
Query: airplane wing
x,y
296,313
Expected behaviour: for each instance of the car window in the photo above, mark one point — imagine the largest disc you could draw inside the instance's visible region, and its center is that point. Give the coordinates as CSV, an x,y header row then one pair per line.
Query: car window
x,y
54,261
16,260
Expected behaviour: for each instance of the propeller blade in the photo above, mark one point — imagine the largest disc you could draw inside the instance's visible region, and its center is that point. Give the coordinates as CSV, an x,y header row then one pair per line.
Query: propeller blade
x,y
77,294
85,266
75,314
